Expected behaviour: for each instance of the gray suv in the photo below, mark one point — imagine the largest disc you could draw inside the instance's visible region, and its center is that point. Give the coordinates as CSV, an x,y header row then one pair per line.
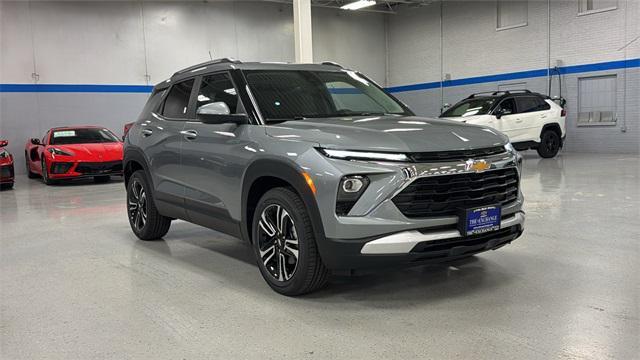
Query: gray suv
x,y
319,169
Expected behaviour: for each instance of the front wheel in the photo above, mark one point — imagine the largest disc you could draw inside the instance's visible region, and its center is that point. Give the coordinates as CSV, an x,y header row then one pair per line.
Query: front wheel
x,y
30,173
285,245
549,144
45,173
145,220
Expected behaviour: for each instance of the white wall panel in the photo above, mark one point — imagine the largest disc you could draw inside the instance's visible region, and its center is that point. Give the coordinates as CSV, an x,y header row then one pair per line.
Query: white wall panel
x,y
88,42
16,52
352,39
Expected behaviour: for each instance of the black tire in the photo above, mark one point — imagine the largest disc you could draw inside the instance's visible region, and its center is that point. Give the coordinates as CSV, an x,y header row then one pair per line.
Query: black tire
x,y
309,273
45,174
147,224
549,144
101,179
6,186
30,174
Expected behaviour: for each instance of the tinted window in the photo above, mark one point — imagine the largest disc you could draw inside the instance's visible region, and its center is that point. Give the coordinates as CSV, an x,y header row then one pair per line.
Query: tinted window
x,y
470,107
82,136
152,103
542,105
177,102
219,88
286,94
527,104
508,106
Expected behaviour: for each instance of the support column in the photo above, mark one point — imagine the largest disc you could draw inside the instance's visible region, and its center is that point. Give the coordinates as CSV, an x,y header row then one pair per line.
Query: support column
x,y
302,31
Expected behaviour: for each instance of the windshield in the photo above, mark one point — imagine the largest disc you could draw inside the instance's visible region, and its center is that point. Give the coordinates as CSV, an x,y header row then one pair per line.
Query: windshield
x,y
470,107
292,94
82,136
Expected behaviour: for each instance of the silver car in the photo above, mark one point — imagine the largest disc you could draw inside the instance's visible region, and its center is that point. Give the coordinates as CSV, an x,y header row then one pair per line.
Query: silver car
x,y
319,169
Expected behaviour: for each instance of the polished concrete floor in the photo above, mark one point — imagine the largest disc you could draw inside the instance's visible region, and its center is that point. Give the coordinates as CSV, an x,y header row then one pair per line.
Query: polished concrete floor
x,y
76,284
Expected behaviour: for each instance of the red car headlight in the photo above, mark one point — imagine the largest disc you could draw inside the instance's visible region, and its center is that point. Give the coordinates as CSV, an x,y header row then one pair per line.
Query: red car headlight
x,y
56,151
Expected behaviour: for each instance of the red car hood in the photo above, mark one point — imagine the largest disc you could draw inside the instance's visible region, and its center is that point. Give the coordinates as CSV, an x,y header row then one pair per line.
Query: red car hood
x,y
93,152
5,161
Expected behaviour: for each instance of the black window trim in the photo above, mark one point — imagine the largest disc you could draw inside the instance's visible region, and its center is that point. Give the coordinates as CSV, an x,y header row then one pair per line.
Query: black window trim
x,y
194,94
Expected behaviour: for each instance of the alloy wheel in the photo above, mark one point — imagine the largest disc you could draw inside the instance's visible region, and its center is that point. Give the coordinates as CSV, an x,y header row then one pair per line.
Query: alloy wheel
x,y
137,205
278,242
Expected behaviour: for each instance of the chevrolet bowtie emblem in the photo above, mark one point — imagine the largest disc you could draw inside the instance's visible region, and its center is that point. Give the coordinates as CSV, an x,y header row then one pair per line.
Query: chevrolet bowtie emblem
x,y
477,165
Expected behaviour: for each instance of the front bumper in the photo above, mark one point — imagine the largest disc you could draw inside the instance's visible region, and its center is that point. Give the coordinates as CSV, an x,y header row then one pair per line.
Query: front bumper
x,y
79,169
417,247
6,174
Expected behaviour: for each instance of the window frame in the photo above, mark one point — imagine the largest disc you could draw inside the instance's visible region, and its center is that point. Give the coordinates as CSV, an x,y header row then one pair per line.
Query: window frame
x,y
615,112
596,11
514,26
499,105
190,115
194,94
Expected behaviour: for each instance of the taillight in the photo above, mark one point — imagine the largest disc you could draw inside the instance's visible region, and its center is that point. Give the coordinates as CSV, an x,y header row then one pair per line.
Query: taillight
x,y
563,113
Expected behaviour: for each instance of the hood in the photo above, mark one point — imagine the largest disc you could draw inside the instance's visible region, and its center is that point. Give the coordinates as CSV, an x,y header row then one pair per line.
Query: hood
x,y
389,133
468,119
7,160
93,152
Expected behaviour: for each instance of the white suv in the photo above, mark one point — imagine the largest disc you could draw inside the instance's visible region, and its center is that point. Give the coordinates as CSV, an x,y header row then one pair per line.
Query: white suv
x,y
531,120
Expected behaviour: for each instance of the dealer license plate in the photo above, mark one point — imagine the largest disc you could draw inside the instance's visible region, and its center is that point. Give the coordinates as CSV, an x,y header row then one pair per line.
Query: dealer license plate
x,y
482,220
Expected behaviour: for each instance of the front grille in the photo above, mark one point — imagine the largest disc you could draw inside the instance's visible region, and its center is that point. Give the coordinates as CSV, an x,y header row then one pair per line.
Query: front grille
x,y
6,171
460,246
437,156
447,195
99,167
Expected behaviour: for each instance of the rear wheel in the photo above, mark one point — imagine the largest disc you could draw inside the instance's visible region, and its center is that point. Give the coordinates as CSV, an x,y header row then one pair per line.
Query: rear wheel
x,y
285,245
549,144
145,220
30,173
45,173
101,179
6,186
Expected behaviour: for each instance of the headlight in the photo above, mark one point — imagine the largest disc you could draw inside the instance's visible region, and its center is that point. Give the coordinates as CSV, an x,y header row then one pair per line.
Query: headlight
x,y
56,151
349,191
4,154
363,155
509,147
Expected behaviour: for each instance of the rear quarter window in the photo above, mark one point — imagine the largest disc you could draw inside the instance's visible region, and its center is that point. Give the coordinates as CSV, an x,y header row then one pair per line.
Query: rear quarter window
x,y
153,103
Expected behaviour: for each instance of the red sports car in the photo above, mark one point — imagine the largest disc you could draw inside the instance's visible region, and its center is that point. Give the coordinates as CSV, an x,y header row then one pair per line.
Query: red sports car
x,y
6,166
74,152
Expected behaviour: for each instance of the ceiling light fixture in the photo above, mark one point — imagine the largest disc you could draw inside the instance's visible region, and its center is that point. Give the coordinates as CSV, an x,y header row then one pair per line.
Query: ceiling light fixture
x,y
358,5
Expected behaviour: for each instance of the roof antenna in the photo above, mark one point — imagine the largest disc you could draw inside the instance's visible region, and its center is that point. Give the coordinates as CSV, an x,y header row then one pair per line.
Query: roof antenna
x,y
210,56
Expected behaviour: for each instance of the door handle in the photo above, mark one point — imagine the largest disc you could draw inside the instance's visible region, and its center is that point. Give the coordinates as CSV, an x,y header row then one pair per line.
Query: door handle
x,y
189,134
147,132
518,120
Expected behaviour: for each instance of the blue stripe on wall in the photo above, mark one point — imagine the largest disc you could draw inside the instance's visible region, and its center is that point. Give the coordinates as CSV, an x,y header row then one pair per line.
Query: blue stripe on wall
x,y
77,88
88,88
610,65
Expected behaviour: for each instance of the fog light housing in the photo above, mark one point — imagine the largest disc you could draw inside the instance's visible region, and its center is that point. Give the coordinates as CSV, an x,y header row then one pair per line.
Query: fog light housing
x,y
350,189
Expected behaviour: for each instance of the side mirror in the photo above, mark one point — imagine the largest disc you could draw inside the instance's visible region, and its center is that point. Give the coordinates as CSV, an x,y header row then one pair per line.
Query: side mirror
x,y
35,141
4,143
218,113
502,112
214,108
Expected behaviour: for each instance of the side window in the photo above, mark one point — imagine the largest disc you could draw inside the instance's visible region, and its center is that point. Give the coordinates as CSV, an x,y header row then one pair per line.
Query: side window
x,y
508,106
152,103
527,104
219,95
177,103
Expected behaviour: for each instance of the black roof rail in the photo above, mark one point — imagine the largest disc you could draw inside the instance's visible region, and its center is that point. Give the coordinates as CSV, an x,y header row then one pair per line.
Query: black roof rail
x,y
331,63
494,93
207,63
